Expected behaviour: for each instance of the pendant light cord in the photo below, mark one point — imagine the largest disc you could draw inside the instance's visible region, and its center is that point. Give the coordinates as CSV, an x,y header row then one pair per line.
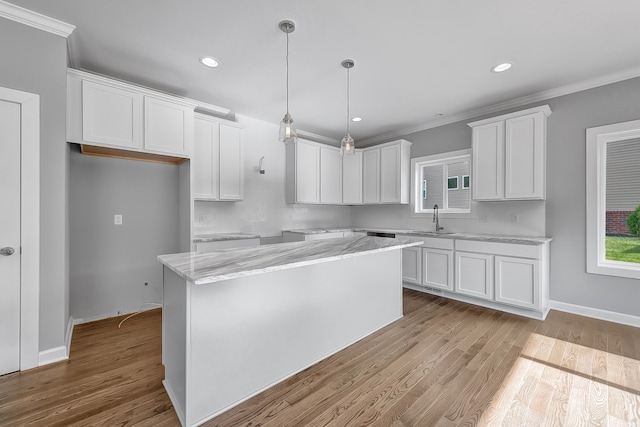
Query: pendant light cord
x,y
348,96
287,59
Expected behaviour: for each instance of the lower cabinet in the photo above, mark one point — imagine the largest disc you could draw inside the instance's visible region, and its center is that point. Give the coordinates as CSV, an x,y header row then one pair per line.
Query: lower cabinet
x,y
437,268
511,277
517,281
412,265
474,275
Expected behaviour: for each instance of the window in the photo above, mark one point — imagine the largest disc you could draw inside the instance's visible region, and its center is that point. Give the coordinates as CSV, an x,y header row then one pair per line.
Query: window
x,y
613,194
442,180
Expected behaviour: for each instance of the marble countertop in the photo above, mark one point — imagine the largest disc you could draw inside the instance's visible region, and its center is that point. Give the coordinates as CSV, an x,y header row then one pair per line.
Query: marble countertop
x,y
210,267
498,238
217,237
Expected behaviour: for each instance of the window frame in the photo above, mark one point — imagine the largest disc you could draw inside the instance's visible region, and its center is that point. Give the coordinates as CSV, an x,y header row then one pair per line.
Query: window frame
x,y
596,173
416,183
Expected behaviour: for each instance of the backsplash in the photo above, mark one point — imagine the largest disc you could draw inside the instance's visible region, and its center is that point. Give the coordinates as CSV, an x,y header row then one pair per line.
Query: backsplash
x,y
485,217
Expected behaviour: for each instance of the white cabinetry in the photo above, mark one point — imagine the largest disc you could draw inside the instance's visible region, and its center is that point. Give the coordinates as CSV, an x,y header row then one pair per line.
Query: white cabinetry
x,y
217,161
412,265
386,173
292,236
474,275
512,277
352,179
437,270
111,116
303,172
330,175
371,176
517,281
168,127
117,116
509,156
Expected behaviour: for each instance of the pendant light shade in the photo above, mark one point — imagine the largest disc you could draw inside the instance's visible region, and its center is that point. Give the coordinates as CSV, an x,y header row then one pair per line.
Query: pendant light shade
x,y
347,145
288,132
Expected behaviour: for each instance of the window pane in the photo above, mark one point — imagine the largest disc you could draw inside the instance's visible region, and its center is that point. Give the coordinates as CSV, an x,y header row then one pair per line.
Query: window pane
x,y
622,199
460,198
432,177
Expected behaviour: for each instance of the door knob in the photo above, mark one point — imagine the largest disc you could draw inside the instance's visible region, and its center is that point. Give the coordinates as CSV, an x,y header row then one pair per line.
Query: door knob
x,y
7,251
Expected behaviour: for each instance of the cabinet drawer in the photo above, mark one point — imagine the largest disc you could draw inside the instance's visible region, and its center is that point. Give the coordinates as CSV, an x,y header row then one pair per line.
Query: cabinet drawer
x,y
497,248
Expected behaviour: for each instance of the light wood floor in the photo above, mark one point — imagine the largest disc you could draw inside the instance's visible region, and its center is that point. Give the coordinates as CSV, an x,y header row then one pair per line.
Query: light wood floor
x,y
445,363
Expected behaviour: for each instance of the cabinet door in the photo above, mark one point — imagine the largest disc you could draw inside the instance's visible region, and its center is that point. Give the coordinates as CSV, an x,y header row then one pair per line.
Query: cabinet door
x,y
371,176
412,265
488,161
168,127
390,170
307,172
205,160
437,268
352,179
111,116
330,175
231,165
518,282
525,157
474,275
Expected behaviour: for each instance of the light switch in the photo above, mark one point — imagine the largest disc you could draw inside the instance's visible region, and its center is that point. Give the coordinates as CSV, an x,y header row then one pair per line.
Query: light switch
x,y
117,219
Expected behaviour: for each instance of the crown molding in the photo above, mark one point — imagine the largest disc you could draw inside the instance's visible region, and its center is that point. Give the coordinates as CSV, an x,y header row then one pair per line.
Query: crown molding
x,y
35,20
514,103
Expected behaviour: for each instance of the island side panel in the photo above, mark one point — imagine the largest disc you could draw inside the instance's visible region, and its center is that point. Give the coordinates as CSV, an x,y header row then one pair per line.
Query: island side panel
x,y
250,333
174,339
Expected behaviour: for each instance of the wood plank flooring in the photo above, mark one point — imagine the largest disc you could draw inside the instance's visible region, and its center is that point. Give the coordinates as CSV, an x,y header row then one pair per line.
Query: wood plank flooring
x,y
445,363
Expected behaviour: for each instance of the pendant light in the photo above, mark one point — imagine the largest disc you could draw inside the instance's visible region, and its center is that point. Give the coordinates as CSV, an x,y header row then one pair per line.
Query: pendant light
x,y
288,131
347,145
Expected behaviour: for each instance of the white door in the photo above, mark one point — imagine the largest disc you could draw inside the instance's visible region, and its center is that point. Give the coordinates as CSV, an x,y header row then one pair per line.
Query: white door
x,y
474,275
390,174
10,117
330,176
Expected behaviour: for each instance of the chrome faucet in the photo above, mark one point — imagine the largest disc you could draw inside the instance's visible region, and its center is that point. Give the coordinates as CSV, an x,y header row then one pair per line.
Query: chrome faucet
x,y
436,219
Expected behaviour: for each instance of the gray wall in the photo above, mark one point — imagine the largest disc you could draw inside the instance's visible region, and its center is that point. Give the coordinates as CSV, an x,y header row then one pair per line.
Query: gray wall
x,y
566,192
566,195
109,264
35,61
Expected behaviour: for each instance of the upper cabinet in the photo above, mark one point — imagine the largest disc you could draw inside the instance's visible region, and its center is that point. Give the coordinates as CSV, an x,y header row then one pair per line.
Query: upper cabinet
x,y
303,172
114,115
509,154
386,173
217,160
352,179
330,175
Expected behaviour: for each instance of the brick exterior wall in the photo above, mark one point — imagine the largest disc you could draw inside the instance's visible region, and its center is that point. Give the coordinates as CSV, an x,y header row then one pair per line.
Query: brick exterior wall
x,y
617,222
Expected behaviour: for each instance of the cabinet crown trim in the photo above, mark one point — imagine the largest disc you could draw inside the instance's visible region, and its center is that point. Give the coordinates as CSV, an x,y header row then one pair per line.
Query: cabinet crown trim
x,y
214,119
387,144
121,84
544,109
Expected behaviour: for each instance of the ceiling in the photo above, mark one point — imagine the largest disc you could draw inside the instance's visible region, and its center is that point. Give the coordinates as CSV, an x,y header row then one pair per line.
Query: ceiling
x,y
414,59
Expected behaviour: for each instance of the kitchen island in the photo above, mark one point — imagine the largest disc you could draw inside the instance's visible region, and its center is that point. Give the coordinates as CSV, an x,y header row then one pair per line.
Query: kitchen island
x,y
238,321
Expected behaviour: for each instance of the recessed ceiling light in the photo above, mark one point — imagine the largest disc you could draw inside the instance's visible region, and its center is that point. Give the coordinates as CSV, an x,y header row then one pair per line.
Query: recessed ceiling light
x,y
210,61
502,67
356,119
438,115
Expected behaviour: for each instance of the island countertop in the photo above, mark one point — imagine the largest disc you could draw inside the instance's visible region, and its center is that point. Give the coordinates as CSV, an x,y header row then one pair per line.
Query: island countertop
x,y
210,267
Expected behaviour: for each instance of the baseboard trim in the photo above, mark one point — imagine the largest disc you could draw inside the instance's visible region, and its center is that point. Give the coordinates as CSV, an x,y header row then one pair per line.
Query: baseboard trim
x,y
596,313
52,355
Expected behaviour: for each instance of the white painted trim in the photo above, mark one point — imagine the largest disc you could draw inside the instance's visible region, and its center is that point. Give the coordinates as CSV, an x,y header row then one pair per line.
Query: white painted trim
x,y
175,401
502,106
544,109
596,313
30,225
69,334
52,355
596,142
35,20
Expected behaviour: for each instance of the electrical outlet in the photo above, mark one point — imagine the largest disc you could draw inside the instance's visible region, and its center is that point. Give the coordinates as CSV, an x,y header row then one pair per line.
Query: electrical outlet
x,y
117,219
482,218
201,218
515,218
